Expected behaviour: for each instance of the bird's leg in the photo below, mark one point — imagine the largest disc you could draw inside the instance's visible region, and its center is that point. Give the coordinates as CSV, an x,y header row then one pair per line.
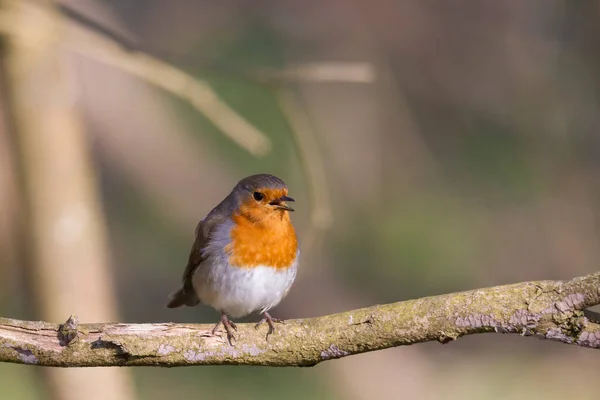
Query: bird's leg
x,y
229,326
270,321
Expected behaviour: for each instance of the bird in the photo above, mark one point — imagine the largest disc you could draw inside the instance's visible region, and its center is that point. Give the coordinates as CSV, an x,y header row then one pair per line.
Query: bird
x,y
245,255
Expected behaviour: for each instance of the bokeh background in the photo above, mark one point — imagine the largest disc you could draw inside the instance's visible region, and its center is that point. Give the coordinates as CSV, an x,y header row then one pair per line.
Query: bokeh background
x,y
431,146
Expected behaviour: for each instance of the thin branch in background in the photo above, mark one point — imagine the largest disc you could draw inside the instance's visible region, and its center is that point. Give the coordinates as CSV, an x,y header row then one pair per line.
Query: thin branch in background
x,y
323,71
105,46
544,309
413,149
415,153
177,82
312,164
200,94
197,92
92,40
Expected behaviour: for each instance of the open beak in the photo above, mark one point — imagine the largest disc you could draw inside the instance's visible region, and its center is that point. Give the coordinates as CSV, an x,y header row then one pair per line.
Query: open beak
x,y
280,203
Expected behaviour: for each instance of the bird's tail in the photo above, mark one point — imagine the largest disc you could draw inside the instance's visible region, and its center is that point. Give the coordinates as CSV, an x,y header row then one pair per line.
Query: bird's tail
x,y
183,298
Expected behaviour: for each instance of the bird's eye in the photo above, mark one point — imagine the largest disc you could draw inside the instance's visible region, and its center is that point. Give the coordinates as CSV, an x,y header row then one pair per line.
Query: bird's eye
x,y
258,196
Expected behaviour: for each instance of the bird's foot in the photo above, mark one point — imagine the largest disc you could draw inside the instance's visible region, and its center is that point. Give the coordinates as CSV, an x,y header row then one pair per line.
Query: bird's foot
x,y
270,321
229,326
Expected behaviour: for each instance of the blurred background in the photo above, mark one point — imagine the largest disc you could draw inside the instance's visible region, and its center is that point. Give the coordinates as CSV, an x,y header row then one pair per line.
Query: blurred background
x,y
431,146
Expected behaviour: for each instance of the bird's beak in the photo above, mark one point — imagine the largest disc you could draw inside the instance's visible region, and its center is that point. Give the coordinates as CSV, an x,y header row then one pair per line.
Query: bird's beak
x,y
280,203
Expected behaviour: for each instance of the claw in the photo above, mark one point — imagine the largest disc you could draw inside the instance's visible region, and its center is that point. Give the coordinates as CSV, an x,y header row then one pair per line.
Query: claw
x,y
270,321
229,326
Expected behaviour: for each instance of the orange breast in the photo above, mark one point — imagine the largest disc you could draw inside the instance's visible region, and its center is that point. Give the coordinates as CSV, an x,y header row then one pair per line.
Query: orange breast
x,y
272,243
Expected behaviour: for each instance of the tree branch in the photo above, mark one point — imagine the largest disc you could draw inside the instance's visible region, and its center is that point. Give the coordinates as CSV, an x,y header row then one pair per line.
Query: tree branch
x,y
544,309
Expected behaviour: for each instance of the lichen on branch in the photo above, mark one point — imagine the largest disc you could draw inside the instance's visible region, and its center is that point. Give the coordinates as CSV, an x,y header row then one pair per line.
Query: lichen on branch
x,y
545,309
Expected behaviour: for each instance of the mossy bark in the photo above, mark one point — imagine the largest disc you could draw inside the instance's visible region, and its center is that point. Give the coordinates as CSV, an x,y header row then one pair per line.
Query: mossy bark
x,y
545,309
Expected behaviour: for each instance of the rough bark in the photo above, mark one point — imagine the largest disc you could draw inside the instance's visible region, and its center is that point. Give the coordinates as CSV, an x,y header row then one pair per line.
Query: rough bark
x,y
544,309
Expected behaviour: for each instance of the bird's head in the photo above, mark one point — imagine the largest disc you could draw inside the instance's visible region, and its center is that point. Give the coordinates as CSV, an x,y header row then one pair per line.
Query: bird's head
x,y
263,197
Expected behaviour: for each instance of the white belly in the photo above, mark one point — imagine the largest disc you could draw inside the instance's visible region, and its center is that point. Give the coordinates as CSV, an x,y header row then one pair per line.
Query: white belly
x,y
241,291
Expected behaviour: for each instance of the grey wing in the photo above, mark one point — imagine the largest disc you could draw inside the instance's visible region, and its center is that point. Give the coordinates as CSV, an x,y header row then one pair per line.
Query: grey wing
x,y
203,231
186,295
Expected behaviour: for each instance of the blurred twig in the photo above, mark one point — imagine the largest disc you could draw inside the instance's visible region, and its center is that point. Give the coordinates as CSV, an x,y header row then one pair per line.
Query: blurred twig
x,y
105,49
88,38
197,92
312,165
324,71
544,309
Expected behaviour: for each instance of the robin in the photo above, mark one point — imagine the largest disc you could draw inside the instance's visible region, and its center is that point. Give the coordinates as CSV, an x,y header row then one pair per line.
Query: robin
x,y
245,255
